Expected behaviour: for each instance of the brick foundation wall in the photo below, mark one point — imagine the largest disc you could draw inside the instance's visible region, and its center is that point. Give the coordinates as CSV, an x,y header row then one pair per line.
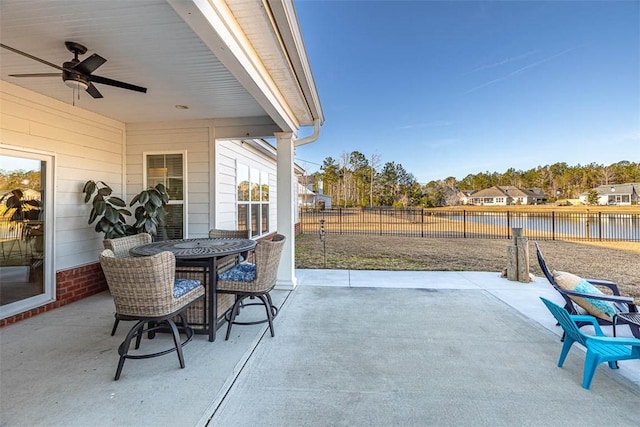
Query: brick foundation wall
x,y
78,283
71,285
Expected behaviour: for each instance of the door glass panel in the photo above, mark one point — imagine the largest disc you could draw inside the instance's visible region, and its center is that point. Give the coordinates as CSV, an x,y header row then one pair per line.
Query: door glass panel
x,y
22,228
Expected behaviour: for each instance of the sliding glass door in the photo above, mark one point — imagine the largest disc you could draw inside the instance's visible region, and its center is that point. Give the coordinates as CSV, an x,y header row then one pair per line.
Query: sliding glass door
x,y
25,231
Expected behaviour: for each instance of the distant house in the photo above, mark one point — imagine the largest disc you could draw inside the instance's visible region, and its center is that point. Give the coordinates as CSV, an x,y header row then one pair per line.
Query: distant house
x,y
506,195
305,197
308,198
615,194
464,196
539,193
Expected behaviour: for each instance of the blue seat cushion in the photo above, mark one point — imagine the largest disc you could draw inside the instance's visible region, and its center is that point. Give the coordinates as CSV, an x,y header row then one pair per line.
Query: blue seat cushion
x,y
182,286
239,273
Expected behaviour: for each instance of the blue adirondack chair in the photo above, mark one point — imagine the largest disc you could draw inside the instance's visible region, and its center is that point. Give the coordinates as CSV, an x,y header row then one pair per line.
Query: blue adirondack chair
x,y
600,348
621,304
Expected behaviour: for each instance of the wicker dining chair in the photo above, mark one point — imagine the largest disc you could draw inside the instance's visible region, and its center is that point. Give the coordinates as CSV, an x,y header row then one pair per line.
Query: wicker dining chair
x,y
236,234
145,289
255,280
228,262
120,248
122,245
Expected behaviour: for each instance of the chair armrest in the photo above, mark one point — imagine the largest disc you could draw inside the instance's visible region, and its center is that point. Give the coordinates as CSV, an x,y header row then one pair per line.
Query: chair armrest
x,y
587,318
635,342
606,283
604,297
584,318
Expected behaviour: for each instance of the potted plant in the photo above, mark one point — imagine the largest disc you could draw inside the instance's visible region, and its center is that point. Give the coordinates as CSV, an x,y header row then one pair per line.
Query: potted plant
x,y
151,214
110,211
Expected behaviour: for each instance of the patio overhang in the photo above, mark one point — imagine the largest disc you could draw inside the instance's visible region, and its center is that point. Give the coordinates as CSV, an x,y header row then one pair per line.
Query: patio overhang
x,y
221,70
234,59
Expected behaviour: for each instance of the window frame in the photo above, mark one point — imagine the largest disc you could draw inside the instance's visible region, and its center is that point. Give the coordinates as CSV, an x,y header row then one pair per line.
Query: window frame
x,y
185,183
258,210
49,283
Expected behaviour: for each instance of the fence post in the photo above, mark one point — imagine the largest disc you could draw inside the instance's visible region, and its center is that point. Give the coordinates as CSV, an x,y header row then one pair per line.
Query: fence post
x,y
464,223
422,226
600,226
553,225
588,235
508,225
340,219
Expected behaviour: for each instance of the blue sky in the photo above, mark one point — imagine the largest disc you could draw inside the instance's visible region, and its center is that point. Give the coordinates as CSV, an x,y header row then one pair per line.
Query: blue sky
x,y
449,88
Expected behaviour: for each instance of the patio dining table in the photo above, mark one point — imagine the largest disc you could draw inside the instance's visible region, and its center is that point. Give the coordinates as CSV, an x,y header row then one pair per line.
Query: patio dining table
x,y
200,252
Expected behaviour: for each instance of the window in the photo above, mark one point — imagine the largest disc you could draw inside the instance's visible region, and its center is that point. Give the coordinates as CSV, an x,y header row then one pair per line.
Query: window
x,y
169,169
619,198
253,199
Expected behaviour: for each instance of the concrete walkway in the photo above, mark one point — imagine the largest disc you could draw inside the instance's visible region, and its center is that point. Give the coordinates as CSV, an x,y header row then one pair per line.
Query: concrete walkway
x,y
351,348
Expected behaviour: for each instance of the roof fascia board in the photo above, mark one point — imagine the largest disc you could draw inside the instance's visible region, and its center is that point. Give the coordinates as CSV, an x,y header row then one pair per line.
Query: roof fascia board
x,y
262,146
286,21
266,148
215,25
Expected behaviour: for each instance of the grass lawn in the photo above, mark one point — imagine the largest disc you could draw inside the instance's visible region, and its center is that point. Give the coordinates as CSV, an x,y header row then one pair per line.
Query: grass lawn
x,y
616,261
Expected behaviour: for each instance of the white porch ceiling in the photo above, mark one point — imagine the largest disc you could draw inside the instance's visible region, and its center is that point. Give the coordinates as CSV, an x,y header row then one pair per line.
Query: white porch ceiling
x,y
145,43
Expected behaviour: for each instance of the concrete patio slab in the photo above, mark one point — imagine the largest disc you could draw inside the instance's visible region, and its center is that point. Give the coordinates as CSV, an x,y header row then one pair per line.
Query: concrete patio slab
x,y
410,279
360,355
314,277
57,369
405,357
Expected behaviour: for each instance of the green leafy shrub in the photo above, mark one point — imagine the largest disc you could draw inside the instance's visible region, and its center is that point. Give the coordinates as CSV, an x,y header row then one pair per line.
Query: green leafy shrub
x,y
110,211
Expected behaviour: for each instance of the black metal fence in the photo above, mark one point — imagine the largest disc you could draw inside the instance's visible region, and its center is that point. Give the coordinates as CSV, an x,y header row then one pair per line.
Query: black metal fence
x,y
416,222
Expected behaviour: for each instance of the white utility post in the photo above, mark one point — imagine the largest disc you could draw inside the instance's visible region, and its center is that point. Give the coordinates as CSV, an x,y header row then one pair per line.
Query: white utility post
x,y
286,213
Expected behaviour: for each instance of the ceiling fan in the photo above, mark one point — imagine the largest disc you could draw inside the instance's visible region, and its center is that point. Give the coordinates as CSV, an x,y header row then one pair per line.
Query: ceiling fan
x,y
77,74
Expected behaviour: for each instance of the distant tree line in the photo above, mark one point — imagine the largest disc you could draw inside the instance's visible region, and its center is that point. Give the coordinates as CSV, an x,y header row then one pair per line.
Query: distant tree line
x,y
11,180
355,180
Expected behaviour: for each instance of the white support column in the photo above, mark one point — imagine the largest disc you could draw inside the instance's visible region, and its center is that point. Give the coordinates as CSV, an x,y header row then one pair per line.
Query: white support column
x,y
286,270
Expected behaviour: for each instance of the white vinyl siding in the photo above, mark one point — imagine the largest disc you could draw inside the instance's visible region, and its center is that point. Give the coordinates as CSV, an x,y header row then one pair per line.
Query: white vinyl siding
x,y
85,145
192,138
228,155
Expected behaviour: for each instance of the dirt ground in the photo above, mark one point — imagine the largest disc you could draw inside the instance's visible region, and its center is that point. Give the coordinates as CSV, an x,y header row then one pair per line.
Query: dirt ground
x,y
619,262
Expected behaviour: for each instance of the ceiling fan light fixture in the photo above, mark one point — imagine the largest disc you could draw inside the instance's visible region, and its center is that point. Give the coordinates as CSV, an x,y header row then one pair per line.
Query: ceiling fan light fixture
x,y
74,80
76,84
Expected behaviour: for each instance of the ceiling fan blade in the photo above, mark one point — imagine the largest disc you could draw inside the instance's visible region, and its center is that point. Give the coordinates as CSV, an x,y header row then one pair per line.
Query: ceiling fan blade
x,y
37,75
90,64
19,52
116,83
93,91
